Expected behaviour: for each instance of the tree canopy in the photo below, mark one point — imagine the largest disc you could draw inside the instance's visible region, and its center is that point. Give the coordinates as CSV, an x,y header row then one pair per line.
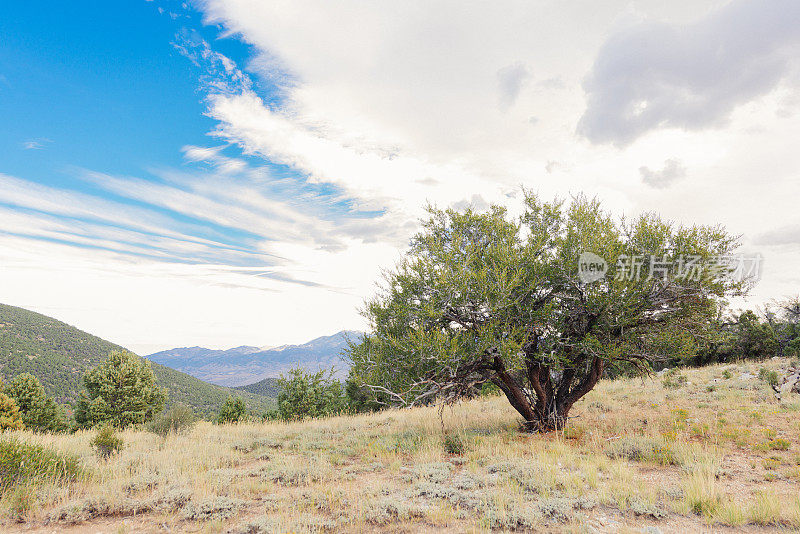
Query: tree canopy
x,y
121,391
39,412
488,297
232,411
305,394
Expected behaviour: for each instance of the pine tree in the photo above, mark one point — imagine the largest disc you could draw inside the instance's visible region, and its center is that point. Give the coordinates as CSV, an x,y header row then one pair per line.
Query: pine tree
x,y
121,391
232,411
39,412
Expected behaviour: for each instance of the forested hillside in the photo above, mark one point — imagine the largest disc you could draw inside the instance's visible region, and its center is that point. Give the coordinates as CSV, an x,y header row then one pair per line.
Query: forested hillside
x,y
59,354
268,387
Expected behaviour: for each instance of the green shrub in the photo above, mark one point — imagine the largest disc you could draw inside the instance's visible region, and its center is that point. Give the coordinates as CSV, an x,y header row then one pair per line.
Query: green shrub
x,y
770,377
177,419
271,415
727,375
574,432
453,444
306,394
106,442
23,463
232,411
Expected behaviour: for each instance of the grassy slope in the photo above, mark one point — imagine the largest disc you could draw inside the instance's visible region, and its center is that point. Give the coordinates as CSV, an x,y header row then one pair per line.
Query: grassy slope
x,y
59,354
636,454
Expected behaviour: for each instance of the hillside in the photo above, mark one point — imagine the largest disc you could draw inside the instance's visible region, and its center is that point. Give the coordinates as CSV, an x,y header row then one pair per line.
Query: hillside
x,y
59,354
268,387
246,364
714,447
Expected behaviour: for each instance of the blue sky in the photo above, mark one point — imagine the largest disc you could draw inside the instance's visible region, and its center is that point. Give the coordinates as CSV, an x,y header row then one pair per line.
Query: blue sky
x,y
98,85
228,172
119,88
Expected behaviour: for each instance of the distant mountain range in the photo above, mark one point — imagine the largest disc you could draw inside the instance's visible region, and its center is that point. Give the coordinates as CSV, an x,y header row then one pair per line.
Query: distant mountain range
x,y
59,354
247,364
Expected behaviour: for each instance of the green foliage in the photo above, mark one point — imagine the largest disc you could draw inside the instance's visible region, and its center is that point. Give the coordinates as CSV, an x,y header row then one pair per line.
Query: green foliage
x,y
267,387
22,463
793,348
39,412
486,297
10,418
106,442
360,399
232,411
121,391
306,394
453,444
176,419
755,339
768,376
59,355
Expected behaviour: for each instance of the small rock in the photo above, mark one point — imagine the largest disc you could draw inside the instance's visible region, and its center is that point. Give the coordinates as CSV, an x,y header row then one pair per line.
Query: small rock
x,y
650,529
746,376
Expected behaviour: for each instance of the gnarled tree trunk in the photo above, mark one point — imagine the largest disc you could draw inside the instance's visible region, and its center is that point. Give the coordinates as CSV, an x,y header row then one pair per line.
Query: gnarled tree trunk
x,y
545,402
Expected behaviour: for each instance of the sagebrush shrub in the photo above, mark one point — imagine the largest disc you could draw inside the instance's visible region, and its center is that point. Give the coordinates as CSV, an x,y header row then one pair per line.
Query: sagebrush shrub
x,y
213,509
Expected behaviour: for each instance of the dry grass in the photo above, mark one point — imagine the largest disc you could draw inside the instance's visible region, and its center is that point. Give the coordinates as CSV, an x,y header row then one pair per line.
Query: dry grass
x,y
712,450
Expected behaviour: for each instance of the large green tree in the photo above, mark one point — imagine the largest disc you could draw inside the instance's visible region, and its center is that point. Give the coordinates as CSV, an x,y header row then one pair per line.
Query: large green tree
x,y
39,412
487,297
121,391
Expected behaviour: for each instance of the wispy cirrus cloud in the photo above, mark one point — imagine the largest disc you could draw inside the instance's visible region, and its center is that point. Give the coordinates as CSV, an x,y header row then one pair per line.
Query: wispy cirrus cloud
x,y
36,144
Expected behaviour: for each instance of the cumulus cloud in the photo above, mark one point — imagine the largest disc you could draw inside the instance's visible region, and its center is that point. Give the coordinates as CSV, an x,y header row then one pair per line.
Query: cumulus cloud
x,y
655,75
672,170
368,111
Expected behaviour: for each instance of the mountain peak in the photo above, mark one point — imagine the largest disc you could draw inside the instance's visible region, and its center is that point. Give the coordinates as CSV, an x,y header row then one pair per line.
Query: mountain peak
x,y
247,364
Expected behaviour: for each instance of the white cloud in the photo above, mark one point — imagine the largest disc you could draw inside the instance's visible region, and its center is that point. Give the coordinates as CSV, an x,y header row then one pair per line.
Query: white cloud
x,y
673,170
654,75
36,144
398,106
384,106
